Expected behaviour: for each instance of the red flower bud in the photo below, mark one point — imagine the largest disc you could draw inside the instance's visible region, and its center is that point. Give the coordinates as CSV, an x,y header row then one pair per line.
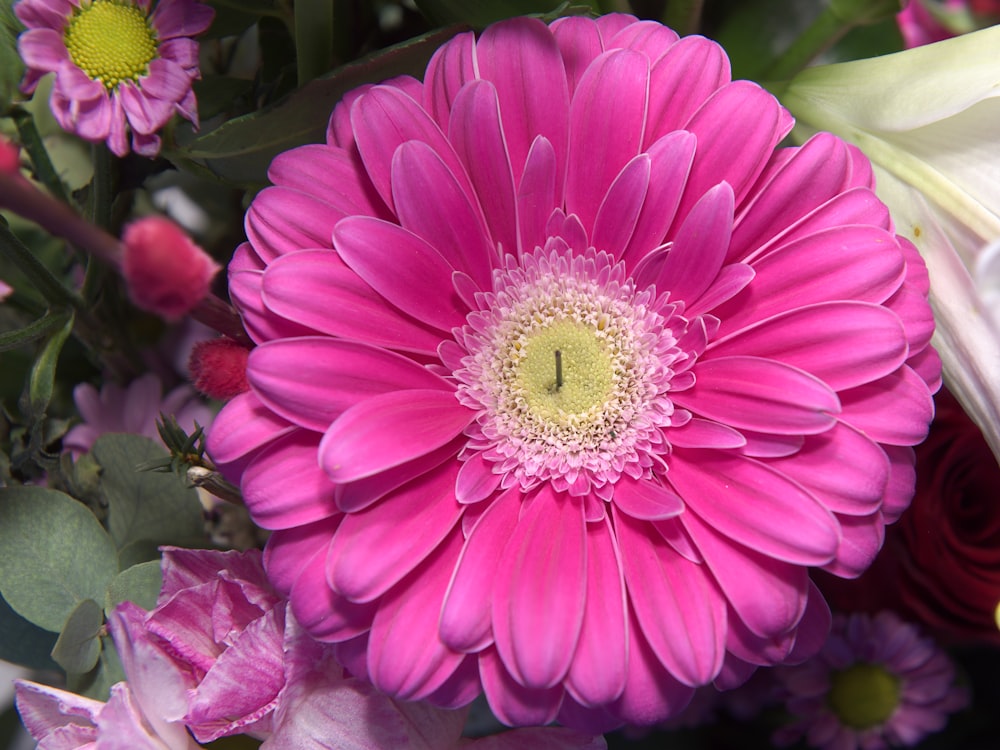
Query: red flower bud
x,y
219,368
166,273
9,157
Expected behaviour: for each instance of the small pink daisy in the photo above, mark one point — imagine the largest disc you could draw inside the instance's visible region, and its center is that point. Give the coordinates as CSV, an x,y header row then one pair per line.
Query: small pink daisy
x,y
565,375
877,683
119,66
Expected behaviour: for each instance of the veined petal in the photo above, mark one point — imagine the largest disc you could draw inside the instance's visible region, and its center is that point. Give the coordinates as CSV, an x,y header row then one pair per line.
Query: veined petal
x,y
406,526
538,600
313,380
760,394
756,506
387,430
401,267
511,702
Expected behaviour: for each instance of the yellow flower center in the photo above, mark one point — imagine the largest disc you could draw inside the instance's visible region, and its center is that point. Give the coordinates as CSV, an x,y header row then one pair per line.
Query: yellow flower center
x,y
863,695
111,42
585,373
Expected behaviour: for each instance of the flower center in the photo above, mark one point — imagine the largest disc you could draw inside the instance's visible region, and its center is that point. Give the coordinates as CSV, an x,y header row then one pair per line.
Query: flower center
x,y
564,372
111,42
863,695
568,367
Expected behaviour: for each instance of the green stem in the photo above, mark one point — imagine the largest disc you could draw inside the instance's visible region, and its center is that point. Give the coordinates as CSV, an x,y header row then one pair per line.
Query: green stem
x,y
819,36
41,278
683,16
103,186
35,330
313,38
39,155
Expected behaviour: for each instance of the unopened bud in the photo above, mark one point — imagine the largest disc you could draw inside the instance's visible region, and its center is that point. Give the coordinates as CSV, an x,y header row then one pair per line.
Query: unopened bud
x,y
219,368
10,157
166,273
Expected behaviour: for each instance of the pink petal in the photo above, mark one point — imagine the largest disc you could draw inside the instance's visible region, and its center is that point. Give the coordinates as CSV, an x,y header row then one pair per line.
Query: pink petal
x,y
52,14
42,49
281,220
431,204
387,430
620,209
449,69
538,599
737,129
646,499
813,628
598,672
756,506
476,480
357,495
649,37
316,289
769,596
521,59
670,161
606,123
651,692
844,344
403,268
703,433
861,540
243,425
384,118
327,615
181,18
182,51
406,659
861,263
166,81
580,42
699,247
815,174
273,500
679,608
405,526
477,134
845,470
312,380
511,702
760,394
47,711
146,114
680,81
536,195
896,409
288,551
466,616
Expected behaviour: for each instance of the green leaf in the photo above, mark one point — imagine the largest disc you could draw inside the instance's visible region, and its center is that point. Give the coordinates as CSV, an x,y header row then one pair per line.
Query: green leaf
x,y
481,14
313,38
241,150
53,555
137,552
151,506
33,331
139,584
24,643
79,645
97,682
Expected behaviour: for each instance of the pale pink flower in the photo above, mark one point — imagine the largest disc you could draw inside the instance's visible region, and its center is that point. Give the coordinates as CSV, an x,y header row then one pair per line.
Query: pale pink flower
x,y
587,379
220,626
877,683
121,66
132,409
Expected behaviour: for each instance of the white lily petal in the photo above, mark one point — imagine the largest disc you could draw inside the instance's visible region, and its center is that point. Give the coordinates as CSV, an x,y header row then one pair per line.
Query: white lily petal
x,y
929,121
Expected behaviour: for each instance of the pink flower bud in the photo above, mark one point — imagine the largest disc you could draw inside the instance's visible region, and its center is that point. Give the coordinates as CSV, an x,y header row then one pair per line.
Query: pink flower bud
x,y
9,157
165,271
219,368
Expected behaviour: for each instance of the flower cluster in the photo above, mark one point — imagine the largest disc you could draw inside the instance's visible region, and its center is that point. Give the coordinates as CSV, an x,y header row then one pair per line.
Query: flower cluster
x,y
597,368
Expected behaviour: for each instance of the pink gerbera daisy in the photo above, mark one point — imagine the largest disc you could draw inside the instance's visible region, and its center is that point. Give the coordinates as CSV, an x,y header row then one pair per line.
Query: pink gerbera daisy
x,y
565,375
119,66
877,683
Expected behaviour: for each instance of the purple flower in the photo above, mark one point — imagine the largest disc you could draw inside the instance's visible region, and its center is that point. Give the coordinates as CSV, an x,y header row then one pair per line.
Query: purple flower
x,y
119,65
876,683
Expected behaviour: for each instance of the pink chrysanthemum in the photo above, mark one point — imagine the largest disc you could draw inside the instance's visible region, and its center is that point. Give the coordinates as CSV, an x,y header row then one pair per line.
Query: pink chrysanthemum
x,y
587,379
877,683
120,65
